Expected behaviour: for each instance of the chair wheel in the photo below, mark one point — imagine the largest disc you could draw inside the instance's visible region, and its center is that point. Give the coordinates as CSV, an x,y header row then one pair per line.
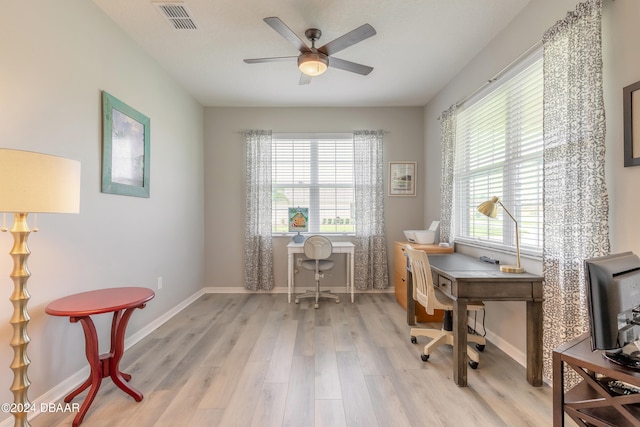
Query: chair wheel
x,y
414,340
480,347
337,300
473,364
317,305
424,357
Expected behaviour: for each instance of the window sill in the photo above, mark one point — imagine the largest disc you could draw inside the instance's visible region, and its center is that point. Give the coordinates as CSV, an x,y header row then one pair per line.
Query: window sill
x,y
290,235
536,256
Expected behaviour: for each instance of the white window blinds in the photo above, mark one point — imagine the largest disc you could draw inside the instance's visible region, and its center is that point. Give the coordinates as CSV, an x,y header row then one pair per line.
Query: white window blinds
x,y
314,171
499,152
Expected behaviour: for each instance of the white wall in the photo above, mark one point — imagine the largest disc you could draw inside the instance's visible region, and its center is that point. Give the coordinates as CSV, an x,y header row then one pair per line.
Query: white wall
x,y
621,67
225,177
56,58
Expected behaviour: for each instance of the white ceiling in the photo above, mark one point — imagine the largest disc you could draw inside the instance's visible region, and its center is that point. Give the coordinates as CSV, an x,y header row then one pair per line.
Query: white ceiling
x,y
419,46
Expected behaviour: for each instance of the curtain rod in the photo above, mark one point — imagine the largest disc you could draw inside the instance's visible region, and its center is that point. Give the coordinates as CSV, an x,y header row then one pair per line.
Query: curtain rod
x,y
501,72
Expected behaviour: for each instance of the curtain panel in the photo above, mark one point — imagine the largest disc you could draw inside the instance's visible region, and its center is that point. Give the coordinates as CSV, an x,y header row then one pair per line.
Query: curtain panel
x,y
258,253
576,205
371,247
448,122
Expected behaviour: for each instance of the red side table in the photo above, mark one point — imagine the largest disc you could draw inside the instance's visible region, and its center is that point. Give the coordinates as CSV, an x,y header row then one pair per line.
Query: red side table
x,y
79,308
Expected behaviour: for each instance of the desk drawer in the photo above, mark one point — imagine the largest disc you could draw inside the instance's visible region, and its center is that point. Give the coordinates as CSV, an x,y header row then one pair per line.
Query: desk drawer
x,y
443,283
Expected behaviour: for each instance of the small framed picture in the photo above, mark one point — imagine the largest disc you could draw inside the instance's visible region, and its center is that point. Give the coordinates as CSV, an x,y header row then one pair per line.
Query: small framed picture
x,y
631,113
402,178
299,219
125,149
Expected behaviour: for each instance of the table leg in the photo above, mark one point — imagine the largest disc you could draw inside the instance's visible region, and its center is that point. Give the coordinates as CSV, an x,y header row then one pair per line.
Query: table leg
x,y
534,343
95,378
460,342
118,329
411,303
289,276
102,366
352,266
558,390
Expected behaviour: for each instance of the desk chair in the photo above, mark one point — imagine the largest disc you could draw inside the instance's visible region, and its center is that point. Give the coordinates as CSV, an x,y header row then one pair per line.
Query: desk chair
x,y
425,293
317,249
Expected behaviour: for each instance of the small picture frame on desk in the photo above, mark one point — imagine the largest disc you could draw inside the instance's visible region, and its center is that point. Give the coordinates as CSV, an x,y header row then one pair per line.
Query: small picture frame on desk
x,y
402,178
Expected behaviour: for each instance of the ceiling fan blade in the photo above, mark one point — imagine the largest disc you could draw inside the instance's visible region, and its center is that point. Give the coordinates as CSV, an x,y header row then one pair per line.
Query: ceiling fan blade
x,y
349,66
272,59
304,79
286,32
352,37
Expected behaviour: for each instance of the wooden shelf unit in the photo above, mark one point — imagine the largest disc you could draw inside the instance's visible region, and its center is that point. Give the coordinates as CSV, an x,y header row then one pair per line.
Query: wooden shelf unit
x,y
400,278
590,402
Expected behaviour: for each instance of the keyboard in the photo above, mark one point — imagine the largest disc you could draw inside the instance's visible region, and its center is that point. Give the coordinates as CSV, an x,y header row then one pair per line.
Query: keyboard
x,y
623,359
622,388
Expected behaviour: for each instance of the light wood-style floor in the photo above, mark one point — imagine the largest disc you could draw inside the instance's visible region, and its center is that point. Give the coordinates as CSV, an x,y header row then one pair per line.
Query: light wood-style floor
x,y
255,360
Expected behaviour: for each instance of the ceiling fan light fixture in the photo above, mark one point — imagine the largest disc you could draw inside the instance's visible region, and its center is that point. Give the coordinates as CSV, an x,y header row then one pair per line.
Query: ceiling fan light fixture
x,y
313,63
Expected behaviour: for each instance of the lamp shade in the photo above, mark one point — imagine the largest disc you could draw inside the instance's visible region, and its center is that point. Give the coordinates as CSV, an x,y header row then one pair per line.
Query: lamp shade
x,y
34,182
490,207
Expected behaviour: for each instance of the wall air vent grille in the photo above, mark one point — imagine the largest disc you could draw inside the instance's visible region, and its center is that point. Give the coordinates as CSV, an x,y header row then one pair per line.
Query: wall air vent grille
x,y
177,15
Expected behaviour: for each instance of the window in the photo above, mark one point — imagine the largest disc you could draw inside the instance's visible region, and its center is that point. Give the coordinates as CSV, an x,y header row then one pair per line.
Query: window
x,y
499,152
314,171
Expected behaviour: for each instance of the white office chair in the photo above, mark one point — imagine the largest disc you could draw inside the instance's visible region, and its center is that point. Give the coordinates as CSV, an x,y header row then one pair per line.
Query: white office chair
x,y
317,249
425,294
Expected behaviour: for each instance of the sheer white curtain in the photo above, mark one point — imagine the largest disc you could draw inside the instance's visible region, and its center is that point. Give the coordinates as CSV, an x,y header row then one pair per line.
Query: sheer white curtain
x,y
371,247
448,122
576,205
258,259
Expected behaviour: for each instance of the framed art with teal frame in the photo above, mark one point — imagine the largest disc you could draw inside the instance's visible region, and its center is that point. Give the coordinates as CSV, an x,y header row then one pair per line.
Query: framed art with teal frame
x,y
125,149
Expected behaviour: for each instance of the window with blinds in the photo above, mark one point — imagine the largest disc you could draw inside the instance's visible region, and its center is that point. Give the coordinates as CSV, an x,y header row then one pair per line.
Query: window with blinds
x,y
314,171
499,152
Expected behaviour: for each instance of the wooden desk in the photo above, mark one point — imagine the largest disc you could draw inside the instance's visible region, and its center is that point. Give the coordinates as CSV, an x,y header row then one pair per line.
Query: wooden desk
x,y
590,402
465,280
347,248
79,308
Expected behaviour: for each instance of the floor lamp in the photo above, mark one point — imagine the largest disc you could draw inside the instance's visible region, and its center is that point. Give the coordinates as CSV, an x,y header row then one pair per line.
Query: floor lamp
x,y
490,209
30,183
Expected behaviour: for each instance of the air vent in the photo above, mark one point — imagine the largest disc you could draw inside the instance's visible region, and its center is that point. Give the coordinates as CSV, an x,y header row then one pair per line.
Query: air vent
x,y
177,15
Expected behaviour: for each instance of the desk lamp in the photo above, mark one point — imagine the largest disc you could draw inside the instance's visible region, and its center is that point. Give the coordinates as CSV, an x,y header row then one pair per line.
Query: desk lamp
x,y
490,209
30,183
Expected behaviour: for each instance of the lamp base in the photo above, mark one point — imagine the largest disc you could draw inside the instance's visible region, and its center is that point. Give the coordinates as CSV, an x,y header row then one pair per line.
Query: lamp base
x,y
511,269
20,319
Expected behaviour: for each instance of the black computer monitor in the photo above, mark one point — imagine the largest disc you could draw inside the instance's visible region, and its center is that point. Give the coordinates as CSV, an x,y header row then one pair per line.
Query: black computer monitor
x,y
613,295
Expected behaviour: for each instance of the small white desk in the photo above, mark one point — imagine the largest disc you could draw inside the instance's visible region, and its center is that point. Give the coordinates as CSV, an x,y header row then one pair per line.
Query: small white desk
x,y
347,248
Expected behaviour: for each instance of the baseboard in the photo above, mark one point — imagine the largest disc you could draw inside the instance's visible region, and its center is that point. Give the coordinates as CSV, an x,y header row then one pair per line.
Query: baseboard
x,y
135,338
61,390
511,351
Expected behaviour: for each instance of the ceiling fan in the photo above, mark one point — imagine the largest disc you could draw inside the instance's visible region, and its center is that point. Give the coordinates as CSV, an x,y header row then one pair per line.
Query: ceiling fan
x,y
314,61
